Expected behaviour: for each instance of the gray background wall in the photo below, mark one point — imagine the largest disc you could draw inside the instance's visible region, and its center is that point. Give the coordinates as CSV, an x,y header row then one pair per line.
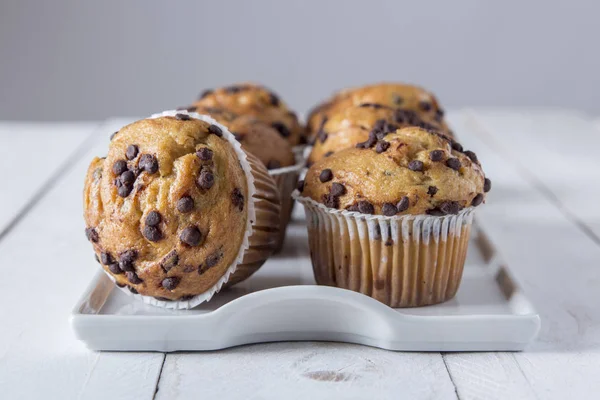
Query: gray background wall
x,y
93,59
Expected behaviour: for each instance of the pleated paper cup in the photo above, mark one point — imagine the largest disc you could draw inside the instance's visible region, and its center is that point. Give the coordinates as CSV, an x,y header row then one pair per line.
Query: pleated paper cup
x,y
262,227
402,261
286,179
266,228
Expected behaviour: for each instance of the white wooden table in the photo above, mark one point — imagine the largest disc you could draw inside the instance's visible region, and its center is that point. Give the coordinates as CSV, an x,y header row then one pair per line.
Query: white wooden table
x,y
543,214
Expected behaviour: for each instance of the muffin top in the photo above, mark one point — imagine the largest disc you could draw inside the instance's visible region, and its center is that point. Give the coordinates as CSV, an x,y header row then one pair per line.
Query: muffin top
x,y
396,95
412,171
259,102
166,210
256,136
354,126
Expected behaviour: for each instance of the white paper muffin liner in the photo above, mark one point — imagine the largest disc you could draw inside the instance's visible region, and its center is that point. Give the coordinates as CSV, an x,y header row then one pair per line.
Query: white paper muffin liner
x,y
402,261
286,179
250,207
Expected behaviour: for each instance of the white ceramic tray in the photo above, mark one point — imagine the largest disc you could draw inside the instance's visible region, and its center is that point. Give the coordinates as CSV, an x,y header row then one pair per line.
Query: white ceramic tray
x,y
282,303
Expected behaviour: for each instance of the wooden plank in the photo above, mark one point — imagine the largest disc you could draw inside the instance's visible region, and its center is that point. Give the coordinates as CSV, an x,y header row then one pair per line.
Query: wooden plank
x,y
305,371
32,155
557,151
557,265
47,262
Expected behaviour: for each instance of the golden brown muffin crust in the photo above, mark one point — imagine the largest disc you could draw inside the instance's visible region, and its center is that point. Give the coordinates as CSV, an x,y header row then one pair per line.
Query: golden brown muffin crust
x,y
412,171
255,136
396,95
358,124
257,101
166,210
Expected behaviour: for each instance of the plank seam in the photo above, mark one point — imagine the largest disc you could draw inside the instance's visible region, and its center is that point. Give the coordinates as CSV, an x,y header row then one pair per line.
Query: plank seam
x,y
47,186
539,185
450,375
162,365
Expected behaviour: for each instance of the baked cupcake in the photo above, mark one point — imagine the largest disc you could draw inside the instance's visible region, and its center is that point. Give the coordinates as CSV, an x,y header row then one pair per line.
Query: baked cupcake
x,y
270,148
392,220
256,101
395,95
364,124
177,210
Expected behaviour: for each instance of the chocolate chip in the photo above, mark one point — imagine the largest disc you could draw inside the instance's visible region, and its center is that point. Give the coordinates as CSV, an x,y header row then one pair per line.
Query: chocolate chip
x,y
205,154
382,146
300,185
326,175
472,156
91,235
477,200
186,297
152,233
397,99
148,163
153,218
206,179
204,94
127,178
215,130
126,260
182,117
124,190
365,207
191,236
436,212
453,163
233,89
212,260
274,99
114,268
337,189
416,165
170,261
370,142
450,207
372,105
403,204
406,117
457,146
436,155
132,290
377,232
487,185
133,278
238,136
425,106
389,209
106,258
96,258
185,204
191,108
389,241
432,190
119,167
131,152
273,164
322,136
328,154
331,201
170,283
237,199
159,298
112,136
281,128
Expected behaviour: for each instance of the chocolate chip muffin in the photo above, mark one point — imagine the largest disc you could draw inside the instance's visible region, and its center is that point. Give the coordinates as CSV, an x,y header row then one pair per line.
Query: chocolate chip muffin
x,y
170,211
363,125
395,95
256,101
256,136
392,219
